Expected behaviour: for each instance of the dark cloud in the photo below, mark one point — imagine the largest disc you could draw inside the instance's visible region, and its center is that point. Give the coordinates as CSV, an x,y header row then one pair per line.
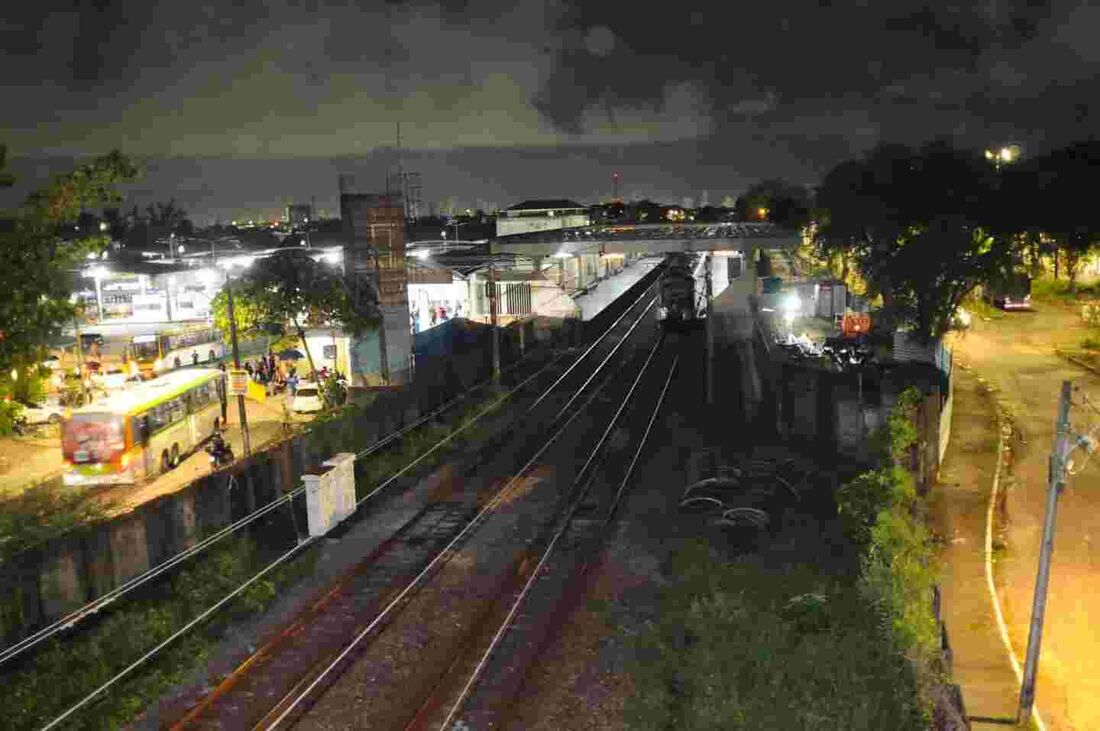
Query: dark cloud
x,y
780,86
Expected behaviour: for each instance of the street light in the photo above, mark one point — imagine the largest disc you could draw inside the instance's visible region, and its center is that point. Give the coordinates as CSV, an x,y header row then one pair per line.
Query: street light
x,y
97,273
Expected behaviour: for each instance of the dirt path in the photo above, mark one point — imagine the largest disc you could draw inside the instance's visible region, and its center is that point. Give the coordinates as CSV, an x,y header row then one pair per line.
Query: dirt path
x,y
1016,355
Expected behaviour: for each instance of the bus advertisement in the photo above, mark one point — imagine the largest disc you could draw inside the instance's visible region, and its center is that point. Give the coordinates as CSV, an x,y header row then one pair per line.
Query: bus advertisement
x,y
167,350
143,430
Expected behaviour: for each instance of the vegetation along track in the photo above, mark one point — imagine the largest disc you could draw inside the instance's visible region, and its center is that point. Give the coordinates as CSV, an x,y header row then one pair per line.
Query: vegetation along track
x,y
602,349
303,657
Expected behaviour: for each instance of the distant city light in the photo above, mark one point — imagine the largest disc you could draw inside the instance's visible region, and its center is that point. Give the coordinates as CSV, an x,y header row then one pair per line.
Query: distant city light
x,y
102,225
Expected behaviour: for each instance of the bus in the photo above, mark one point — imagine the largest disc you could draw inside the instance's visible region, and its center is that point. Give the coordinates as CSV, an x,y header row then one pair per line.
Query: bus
x,y
143,430
167,350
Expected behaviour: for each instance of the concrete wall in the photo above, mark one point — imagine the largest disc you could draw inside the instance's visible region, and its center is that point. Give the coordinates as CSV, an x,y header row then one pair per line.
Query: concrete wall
x,y
841,411
43,584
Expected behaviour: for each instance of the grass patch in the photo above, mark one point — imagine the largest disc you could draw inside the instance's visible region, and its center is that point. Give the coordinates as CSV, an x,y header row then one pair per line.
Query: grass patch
x,y
978,307
65,671
741,648
1091,342
41,513
1048,288
737,647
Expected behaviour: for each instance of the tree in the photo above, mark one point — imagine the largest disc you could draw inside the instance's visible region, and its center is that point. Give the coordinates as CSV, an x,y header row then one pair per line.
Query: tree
x,y
1067,180
36,261
917,225
777,201
292,289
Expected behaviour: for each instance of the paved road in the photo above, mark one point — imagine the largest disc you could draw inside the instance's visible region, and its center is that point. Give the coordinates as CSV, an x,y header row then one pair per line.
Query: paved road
x,y
33,460
1015,353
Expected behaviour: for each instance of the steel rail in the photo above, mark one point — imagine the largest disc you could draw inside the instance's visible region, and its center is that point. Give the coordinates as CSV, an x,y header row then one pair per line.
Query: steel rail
x,y
441,556
561,530
310,540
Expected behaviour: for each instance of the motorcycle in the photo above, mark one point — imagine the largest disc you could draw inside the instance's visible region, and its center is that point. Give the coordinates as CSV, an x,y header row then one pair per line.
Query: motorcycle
x,y
221,454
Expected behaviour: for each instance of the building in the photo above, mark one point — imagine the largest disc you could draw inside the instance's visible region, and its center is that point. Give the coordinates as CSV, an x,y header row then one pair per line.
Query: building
x,y
299,214
541,215
374,227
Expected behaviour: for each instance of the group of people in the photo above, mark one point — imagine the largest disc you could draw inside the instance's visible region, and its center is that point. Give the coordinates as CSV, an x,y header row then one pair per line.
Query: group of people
x,y
437,313
278,377
267,370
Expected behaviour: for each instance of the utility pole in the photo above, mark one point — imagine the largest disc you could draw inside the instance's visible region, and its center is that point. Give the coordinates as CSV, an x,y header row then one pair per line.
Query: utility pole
x,y
709,330
80,359
492,287
384,362
1056,482
236,361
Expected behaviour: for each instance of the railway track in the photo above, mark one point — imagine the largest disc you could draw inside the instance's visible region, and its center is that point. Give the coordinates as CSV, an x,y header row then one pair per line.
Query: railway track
x,y
278,682
492,687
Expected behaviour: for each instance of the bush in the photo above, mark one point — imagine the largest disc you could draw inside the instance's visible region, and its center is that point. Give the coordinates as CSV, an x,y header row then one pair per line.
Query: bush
x,y
1090,313
9,412
861,501
42,513
73,667
739,648
884,517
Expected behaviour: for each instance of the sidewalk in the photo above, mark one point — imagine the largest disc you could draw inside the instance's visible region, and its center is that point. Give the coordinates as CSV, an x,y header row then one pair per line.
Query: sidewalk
x,y
958,512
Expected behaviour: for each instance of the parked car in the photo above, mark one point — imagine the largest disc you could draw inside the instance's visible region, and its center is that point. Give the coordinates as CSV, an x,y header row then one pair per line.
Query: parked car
x,y
307,399
49,411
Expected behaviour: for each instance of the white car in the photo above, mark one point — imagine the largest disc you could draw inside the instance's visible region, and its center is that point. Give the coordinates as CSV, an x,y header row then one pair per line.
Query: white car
x,y
307,399
47,412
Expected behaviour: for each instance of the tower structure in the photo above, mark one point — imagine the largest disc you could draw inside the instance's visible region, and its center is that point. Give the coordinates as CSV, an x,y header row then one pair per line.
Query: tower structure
x,y
405,183
374,227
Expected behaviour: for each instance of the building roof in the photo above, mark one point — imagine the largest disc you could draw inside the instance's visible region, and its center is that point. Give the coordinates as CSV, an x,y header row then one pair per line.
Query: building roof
x,y
545,205
658,232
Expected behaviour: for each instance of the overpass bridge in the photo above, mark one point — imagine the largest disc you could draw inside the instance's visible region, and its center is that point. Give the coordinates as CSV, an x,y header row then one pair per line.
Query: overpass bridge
x,y
650,239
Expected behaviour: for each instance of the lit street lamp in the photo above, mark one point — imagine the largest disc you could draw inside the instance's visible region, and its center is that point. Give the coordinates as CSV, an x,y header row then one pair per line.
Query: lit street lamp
x,y
97,273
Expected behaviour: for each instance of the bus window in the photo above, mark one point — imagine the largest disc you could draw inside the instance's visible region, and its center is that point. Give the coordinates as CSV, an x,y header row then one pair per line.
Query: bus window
x,y
145,347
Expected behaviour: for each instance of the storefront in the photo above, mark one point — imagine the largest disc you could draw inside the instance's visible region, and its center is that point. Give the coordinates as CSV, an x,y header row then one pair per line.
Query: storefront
x,y
433,303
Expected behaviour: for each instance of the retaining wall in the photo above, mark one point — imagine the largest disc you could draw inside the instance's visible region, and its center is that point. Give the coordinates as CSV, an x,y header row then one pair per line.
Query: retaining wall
x,y
43,584
841,410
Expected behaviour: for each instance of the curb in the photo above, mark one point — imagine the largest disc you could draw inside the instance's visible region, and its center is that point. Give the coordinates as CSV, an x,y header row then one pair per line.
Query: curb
x,y
1004,429
1076,361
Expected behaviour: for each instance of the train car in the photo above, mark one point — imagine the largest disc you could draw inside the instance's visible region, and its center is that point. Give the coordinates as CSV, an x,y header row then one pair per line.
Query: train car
x,y
676,307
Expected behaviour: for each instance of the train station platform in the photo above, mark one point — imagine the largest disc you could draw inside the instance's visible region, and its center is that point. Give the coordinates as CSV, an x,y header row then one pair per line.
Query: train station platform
x,y
606,291
737,378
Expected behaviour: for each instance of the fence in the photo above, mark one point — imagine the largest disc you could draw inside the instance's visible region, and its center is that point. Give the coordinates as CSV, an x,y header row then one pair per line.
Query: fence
x,y
63,574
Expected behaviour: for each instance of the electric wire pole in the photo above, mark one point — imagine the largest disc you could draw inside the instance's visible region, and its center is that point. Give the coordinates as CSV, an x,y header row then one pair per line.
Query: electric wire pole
x,y
491,286
1056,483
236,361
709,330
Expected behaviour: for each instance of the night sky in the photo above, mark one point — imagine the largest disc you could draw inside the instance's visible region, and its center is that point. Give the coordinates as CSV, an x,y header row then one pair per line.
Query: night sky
x,y
243,105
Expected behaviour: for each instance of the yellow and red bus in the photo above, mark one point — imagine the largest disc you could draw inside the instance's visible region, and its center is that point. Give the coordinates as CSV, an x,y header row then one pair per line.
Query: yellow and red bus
x,y
142,430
